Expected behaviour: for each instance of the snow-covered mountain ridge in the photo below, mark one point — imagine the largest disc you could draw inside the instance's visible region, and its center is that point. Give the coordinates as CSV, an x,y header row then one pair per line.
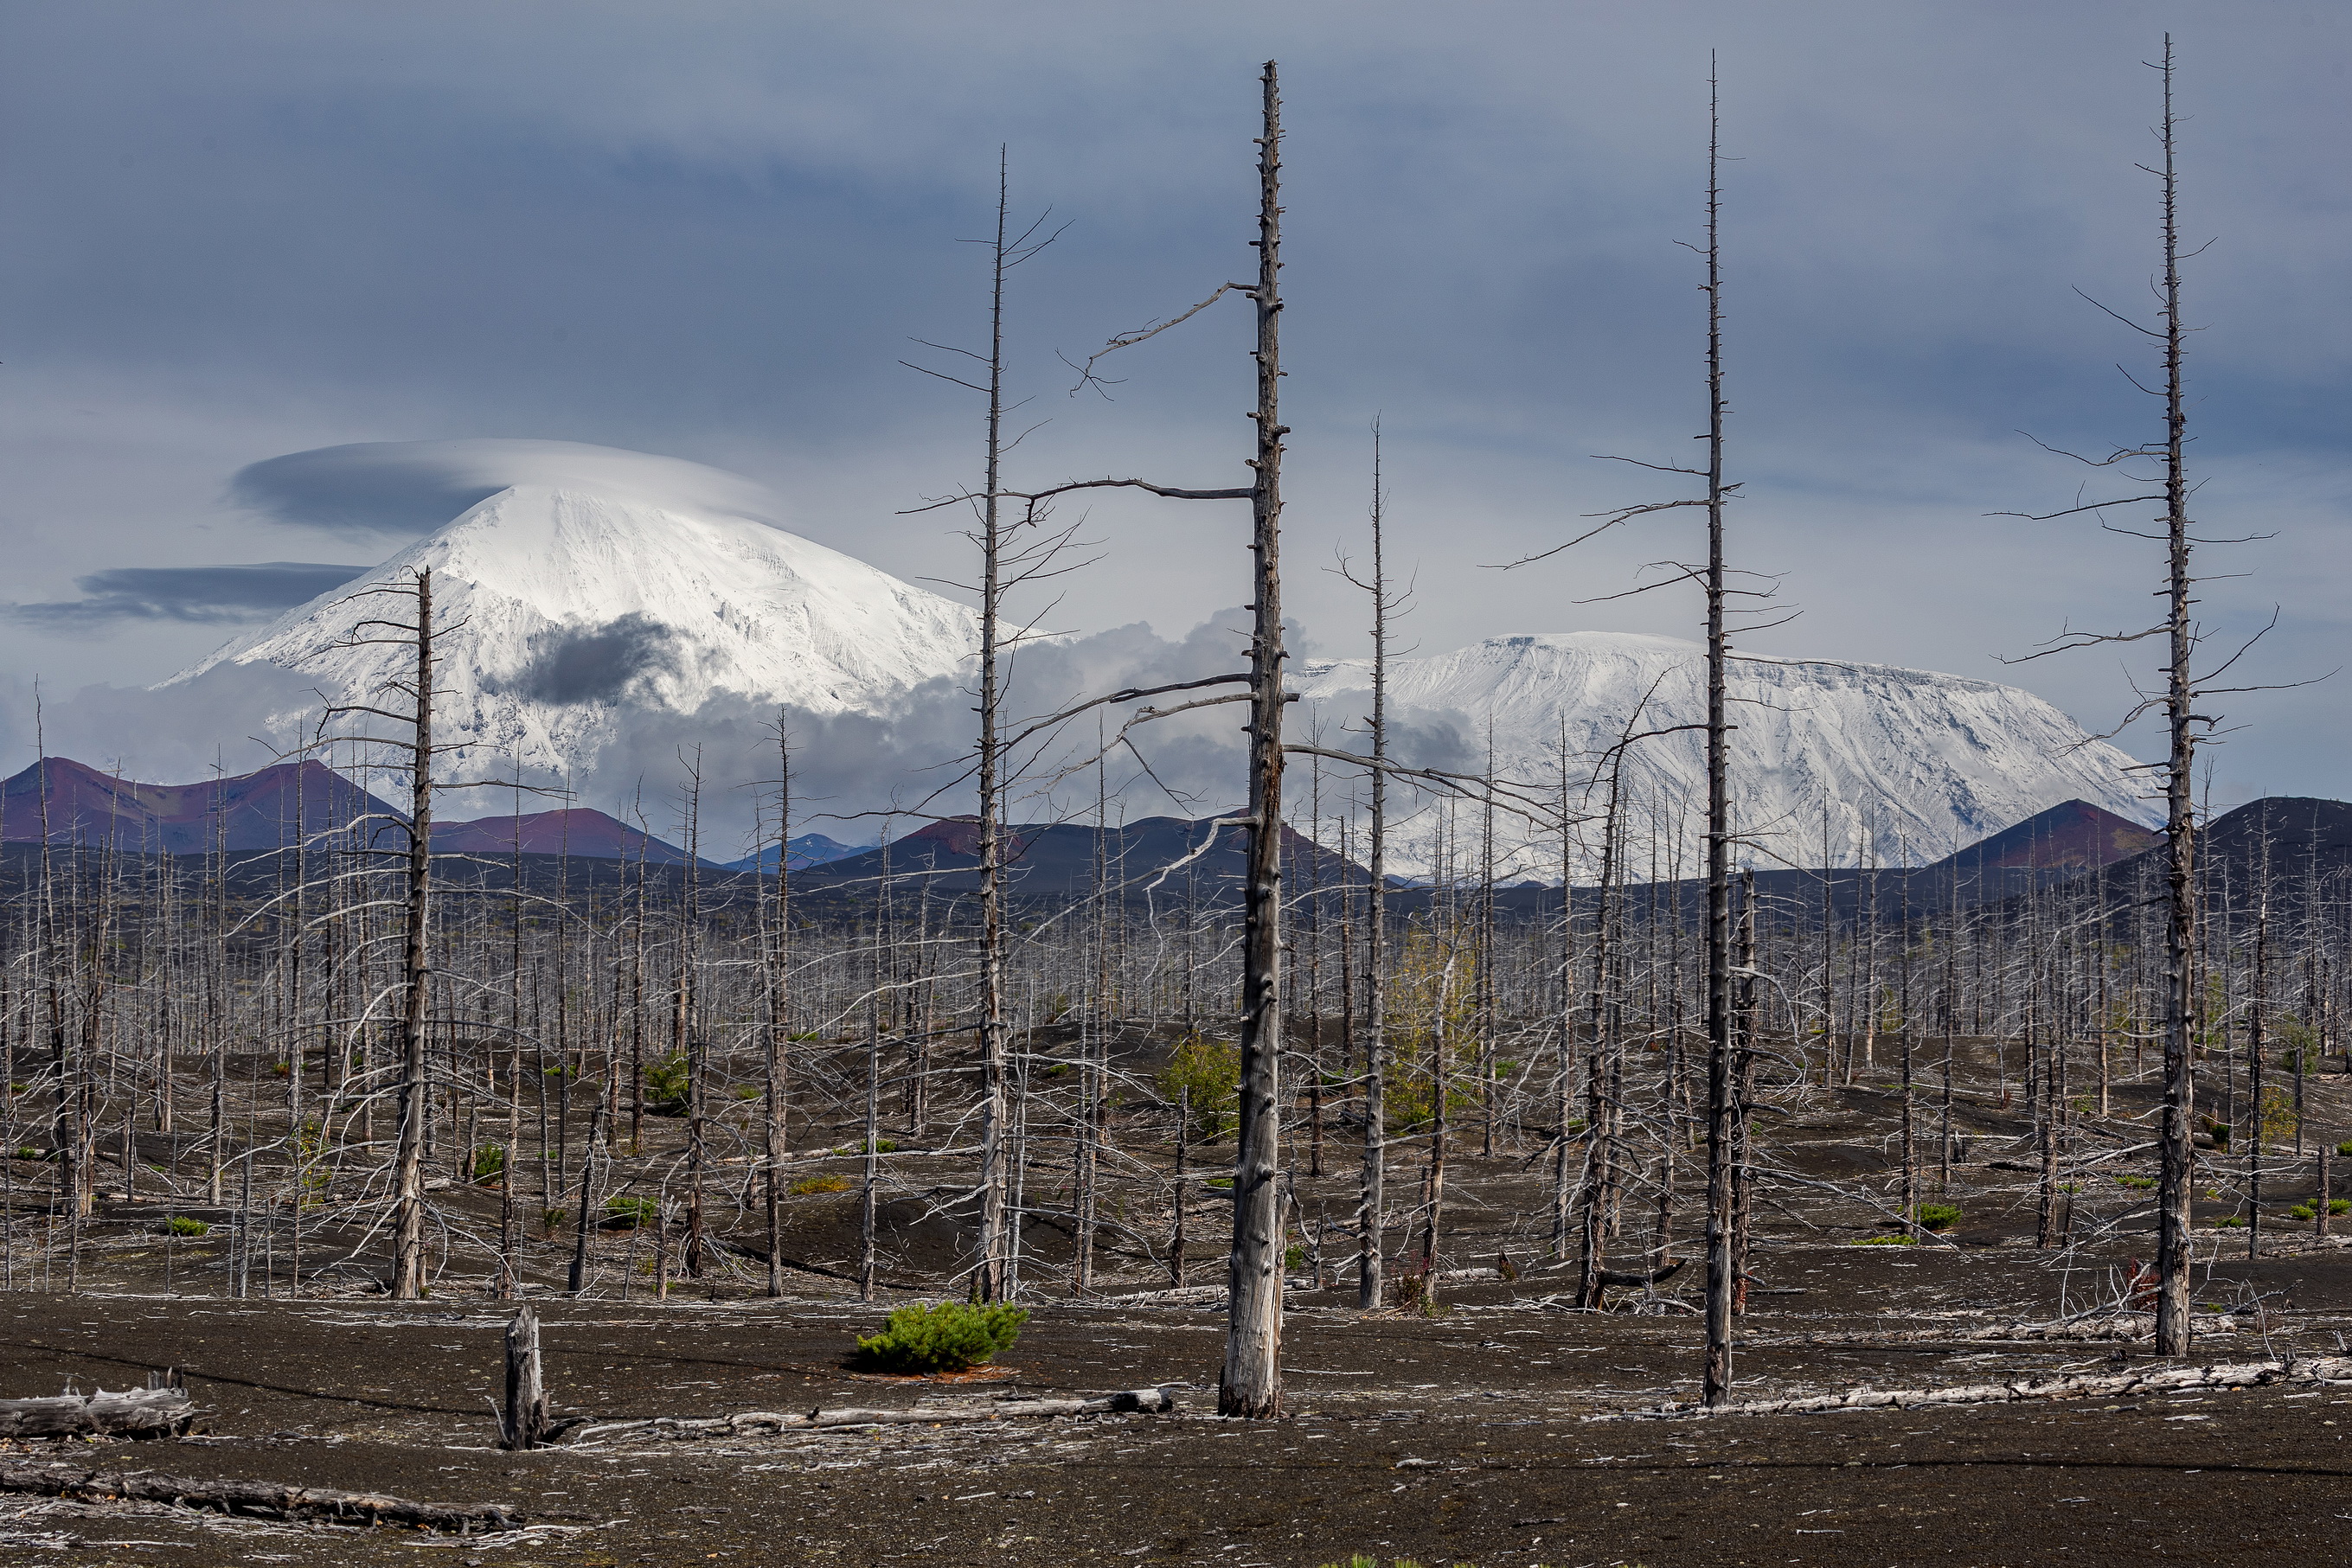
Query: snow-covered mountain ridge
x,y
558,610
1925,762
599,612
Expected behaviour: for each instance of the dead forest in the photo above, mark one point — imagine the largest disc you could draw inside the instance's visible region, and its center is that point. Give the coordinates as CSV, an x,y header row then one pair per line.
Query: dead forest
x,y
634,1079
353,1064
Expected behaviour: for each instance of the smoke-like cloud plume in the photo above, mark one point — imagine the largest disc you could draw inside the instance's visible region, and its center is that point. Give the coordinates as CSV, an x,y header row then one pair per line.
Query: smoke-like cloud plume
x,y
226,594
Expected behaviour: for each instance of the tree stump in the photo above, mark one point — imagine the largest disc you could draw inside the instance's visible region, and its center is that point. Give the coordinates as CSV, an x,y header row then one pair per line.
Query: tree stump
x,y
523,1423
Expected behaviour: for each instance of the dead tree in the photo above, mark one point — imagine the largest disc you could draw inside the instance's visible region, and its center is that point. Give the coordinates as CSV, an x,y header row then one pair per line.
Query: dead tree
x,y
1004,565
1251,1382
1372,1186
1722,1135
775,950
2189,719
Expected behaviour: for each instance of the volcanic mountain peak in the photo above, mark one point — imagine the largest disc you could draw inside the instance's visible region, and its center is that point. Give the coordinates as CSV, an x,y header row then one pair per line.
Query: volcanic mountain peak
x,y
1919,761
275,808
560,607
579,831
239,813
2072,836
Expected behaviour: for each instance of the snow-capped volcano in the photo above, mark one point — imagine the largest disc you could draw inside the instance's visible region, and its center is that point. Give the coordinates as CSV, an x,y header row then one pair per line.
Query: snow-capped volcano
x,y
561,608
1925,762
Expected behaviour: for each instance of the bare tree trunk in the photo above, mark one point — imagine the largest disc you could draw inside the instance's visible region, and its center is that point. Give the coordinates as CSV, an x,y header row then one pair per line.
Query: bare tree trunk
x,y
988,1274
686,1036
1743,1089
1176,1238
408,1224
871,1180
1372,1186
778,1142
1251,1384
1722,1132
523,1423
2255,1047
2174,1179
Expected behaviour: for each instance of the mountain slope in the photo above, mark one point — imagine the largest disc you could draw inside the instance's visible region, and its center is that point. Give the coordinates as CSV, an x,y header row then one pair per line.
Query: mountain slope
x,y
243,813
1166,861
564,607
1919,762
275,808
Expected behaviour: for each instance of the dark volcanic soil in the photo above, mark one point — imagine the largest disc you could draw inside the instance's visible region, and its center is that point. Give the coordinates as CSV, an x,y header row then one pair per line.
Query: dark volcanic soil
x,y
1500,1431
1469,1437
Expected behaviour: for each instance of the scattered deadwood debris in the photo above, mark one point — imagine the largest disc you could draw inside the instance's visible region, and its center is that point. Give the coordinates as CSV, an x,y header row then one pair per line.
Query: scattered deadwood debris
x,y
757,1423
268,1499
2155,1380
132,1412
2114,1326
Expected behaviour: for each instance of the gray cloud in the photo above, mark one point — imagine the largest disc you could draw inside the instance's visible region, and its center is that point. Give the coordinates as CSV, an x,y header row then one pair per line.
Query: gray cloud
x,y
597,663
414,487
710,229
206,594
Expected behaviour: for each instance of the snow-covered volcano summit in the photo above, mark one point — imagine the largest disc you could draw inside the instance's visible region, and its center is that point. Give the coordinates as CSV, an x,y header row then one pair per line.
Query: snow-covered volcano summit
x,y
561,607
1926,762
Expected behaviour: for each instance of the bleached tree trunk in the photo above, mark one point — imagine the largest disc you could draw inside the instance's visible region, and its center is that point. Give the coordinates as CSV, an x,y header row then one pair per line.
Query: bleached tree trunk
x,y
408,1176
1371,1194
988,1271
2174,1178
1251,1381
1722,1132
774,1101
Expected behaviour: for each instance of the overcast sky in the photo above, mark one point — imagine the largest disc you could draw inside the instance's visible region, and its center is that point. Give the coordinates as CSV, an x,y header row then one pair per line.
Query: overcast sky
x,y
710,230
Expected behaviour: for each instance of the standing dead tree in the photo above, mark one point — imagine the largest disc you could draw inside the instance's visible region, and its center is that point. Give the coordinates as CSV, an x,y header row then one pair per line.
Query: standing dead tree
x,y
1723,1102
416,969
1372,1191
1251,1384
1004,565
2183,700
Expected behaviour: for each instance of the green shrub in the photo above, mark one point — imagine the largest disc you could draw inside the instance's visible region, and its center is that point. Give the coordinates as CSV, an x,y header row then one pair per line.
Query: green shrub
x,y
1897,1240
2230,1222
628,1213
807,1185
551,1219
1939,1215
2219,1133
1207,1074
2136,1182
181,1225
1294,1258
882,1147
489,1164
2340,1206
944,1336
2303,1211
747,1091
2345,1148
666,1085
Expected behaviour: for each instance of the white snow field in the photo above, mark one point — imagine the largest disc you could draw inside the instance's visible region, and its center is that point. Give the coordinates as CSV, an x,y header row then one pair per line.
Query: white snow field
x,y
602,596
564,608
1925,762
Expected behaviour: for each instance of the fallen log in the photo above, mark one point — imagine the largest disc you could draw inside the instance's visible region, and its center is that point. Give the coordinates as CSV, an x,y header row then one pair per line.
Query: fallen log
x,y
2156,1380
2115,1326
265,1498
1216,1296
132,1412
754,1423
